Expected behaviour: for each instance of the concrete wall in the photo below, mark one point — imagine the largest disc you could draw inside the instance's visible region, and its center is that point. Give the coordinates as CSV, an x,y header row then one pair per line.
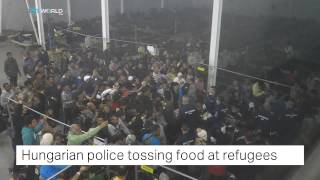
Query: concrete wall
x,y
16,17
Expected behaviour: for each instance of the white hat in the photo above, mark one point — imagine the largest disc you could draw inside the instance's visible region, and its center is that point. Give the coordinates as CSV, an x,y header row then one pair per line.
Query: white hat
x,y
86,78
47,139
130,78
201,133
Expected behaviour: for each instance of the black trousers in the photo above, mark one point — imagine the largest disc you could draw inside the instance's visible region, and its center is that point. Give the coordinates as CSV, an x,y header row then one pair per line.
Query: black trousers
x,y
13,80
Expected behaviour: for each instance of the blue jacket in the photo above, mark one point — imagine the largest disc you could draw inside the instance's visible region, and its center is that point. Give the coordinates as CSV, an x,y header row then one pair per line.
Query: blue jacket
x,y
150,139
29,135
50,170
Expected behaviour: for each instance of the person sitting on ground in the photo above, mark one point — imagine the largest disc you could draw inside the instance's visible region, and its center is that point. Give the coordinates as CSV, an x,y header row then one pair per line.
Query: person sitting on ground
x,y
76,137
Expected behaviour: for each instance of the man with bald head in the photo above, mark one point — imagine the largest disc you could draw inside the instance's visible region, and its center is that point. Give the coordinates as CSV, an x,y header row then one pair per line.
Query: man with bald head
x,y
76,137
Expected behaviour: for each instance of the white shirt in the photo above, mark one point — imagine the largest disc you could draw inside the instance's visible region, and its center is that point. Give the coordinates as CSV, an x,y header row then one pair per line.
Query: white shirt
x,y
3,98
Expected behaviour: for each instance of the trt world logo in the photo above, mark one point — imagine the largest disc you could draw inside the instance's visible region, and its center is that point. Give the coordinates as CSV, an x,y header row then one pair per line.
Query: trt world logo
x,y
34,10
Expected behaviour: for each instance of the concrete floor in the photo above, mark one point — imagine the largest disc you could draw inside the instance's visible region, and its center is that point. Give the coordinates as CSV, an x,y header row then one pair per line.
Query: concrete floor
x,y
310,170
6,153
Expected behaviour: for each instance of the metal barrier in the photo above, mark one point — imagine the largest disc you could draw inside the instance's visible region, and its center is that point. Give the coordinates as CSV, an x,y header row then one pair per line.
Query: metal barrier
x,y
246,76
59,172
55,120
63,170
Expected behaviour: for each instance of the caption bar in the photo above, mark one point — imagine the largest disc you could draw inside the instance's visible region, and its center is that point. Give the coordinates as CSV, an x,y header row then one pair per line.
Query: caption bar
x,y
160,155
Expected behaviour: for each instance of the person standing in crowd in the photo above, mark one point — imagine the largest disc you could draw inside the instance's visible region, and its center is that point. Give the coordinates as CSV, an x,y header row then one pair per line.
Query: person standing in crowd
x,y
30,136
48,171
120,93
187,137
30,130
117,130
76,137
188,114
67,104
28,65
5,94
43,57
52,96
151,137
11,69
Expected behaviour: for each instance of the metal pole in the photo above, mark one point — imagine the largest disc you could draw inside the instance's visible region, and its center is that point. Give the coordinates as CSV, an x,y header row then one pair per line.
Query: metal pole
x,y
40,24
55,120
69,12
215,40
136,177
162,4
32,22
293,9
105,23
135,34
0,17
175,25
180,173
59,172
121,6
108,172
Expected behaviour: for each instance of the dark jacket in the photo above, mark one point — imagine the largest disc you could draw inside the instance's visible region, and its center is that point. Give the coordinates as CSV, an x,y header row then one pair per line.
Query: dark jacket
x,y
186,139
17,119
11,67
189,115
44,57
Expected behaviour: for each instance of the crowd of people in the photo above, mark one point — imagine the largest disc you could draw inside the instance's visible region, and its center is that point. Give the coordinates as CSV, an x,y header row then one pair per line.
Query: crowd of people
x,y
130,97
